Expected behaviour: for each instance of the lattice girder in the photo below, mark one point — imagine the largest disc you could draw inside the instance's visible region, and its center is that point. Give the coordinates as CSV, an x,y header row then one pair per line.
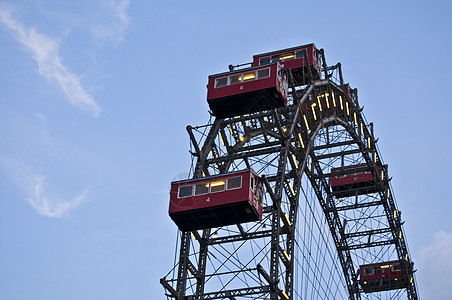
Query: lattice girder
x,y
324,127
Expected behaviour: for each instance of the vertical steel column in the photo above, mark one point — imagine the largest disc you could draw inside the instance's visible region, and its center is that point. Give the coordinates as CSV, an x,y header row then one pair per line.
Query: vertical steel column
x,y
203,250
183,261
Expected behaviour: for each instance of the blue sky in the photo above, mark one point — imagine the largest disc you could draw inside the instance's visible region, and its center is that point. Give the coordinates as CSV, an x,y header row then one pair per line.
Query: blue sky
x,y
95,97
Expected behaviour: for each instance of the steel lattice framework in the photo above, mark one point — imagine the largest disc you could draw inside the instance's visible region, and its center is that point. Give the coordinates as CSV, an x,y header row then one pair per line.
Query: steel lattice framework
x,y
310,243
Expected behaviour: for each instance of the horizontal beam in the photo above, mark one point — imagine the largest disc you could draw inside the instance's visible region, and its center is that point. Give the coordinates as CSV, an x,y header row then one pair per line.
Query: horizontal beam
x,y
342,153
244,155
368,232
356,206
233,293
368,245
240,237
259,146
326,146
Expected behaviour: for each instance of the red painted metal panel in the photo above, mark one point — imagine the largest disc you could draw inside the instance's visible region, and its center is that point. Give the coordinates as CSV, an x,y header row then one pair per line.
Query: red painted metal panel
x,y
357,177
243,87
210,199
384,276
294,63
353,183
247,96
214,209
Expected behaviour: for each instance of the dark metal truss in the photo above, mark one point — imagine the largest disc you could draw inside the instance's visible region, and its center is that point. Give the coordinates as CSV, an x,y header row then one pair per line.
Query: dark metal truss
x,y
322,128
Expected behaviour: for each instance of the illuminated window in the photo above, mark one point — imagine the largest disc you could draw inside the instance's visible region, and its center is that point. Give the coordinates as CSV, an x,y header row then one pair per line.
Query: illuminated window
x,y
234,183
201,188
287,56
249,76
243,77
185,191
264,73
236,78
220,82
217,186
282,57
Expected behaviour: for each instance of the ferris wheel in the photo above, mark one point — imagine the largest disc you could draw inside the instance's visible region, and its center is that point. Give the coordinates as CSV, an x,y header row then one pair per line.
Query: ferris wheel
x,y
288,196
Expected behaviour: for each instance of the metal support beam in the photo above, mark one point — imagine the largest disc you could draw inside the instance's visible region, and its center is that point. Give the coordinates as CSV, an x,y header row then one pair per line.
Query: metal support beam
x,y
169,288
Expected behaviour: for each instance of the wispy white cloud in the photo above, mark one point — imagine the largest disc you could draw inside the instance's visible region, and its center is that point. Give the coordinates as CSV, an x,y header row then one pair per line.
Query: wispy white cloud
x,y
45,50
435,267
115,22
47,199
50,205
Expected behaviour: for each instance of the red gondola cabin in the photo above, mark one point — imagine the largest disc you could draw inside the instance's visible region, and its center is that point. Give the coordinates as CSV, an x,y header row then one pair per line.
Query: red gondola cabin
x,y
384,276
352,180
216,201
295,59
247,90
